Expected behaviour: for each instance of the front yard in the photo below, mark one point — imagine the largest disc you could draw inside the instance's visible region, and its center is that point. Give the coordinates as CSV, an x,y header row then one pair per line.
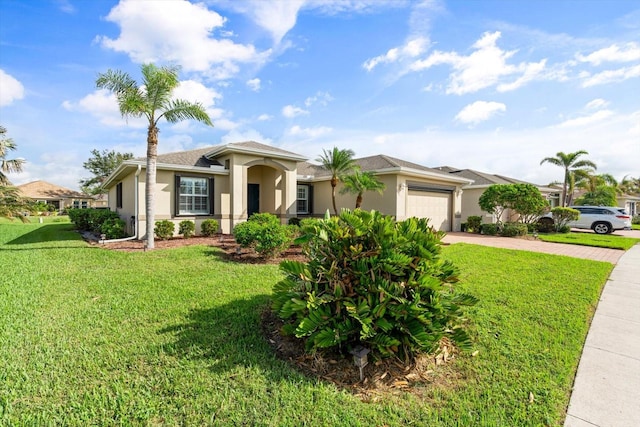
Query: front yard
x,y
172,337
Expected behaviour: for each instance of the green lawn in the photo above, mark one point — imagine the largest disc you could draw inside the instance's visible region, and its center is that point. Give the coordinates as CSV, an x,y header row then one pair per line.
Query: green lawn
x,y
590,239
172,337
635,226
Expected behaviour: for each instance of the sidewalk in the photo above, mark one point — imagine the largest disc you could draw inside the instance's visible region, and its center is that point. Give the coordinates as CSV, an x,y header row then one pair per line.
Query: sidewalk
x,y
606,391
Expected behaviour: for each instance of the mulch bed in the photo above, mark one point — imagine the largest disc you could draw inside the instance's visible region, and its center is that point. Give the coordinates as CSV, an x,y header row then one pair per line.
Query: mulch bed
x,y
381,377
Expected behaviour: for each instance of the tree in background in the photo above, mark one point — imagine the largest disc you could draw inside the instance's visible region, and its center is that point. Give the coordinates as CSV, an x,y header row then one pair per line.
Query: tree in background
x,y
101,165
12,204
7,165
570,163
152,100
339,163
601,196
525,199
629,185
360,182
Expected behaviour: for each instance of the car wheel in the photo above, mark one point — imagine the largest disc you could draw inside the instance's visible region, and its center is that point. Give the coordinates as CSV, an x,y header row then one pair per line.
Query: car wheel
x,y
602,228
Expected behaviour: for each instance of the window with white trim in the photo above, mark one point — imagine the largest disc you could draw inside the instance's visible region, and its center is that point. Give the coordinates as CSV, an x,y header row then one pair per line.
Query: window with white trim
x,y
193,196
303,199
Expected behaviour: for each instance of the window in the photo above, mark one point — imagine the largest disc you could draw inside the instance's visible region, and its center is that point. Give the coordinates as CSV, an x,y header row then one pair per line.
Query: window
x,y
80,204
303,199
119,195
194,195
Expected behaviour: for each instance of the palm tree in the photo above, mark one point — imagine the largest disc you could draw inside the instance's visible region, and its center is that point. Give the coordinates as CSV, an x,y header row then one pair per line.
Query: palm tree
x,y
13,204
359,182
153,101
7,166
339,163
570,163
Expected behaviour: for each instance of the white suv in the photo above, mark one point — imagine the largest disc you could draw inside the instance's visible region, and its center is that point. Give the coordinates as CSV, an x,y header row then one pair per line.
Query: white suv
x,y
600,219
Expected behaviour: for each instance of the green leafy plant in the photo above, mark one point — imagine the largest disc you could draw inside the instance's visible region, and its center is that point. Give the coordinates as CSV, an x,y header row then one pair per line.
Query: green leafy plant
x,y
473,223
264,233
164,229
372,281
93,220
513,229
209,227
525,199
186,228
489,229
113,228
562,216
635,219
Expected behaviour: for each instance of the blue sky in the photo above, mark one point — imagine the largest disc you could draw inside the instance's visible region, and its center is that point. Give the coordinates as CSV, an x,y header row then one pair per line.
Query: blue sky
x,y
489,85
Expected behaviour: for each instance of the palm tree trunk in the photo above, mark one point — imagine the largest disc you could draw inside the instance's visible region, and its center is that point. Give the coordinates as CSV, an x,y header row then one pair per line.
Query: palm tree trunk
x,y
359,200
334,184
150,185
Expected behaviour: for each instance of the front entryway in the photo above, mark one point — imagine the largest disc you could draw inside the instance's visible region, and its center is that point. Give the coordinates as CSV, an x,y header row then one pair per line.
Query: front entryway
x,y
253,199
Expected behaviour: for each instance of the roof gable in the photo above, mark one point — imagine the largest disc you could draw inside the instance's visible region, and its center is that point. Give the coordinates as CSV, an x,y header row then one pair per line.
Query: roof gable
x,y
46,190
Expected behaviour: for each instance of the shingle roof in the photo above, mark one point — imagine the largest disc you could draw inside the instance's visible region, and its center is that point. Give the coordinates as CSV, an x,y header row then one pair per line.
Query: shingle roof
x,y
480,178
46,190
371,163
187,158
258,146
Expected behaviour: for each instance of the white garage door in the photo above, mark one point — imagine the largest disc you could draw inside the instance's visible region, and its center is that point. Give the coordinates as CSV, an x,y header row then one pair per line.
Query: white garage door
x,y
435,206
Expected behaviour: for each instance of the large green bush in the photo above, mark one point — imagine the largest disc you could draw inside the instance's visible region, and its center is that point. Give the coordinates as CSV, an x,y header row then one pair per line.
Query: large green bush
x,y
94,220
562,216
372,281
113,228
264,233
473,223
164,229
513,229
209,227
186,228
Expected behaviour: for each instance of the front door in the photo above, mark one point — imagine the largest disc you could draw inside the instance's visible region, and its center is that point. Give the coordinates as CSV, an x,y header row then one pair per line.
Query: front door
x,y
253,199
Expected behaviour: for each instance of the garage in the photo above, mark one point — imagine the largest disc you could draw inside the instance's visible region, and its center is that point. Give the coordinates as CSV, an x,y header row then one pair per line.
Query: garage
x,y
431,202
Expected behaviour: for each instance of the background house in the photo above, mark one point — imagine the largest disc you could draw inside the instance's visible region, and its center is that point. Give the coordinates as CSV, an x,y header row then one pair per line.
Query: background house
x,y
59,197
230,182
481,181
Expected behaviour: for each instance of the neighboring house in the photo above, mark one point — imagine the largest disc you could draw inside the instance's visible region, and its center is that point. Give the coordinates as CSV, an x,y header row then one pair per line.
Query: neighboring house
x,y
230,182
61,198
481,181
630,203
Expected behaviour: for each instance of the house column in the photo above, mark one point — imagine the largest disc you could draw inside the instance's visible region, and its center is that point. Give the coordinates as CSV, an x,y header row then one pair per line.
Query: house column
x,y
238,183
289,207
457,209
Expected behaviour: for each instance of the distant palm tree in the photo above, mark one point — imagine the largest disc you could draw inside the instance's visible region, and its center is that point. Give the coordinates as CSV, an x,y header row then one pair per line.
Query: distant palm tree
x,y
339,163
359,182
570,163
590,181
7,166
629,185
153,101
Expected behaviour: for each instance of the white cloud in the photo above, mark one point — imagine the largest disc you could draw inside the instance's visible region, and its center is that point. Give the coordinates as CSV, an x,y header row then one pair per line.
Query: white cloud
x,y
412,49
483,68
480,111
66,6
291,111
246,135
195,91
587,120
103,105
610,76
313,132
627,53
264,117
322,98
254,84
596,104
180,32
12,89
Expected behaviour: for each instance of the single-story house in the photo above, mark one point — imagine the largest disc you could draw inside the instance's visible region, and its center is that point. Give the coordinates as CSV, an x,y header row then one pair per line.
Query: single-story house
x,y
630,203
481,181
231,182
59,197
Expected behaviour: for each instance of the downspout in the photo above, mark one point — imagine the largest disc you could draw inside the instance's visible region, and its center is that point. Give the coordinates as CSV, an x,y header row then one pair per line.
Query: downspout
x,y
135,209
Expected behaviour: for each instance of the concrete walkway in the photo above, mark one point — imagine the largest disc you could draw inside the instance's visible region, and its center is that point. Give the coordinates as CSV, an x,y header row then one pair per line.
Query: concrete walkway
x,y
606,391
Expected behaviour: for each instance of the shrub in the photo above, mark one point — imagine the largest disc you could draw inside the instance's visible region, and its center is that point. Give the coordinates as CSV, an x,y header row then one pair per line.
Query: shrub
x,y
635,219
294,221
562,216
164,229
564,229
374,282
186,228
473,223
264,233
209,227
489,229
546,225
91,219
512,229
113,228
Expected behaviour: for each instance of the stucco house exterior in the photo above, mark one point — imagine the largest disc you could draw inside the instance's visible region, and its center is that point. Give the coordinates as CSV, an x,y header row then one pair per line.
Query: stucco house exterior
x,y
59,197
481,181
231,182
630,203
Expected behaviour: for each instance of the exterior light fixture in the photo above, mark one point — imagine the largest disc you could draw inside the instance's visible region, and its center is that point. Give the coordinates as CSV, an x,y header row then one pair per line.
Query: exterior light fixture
x,y
360,358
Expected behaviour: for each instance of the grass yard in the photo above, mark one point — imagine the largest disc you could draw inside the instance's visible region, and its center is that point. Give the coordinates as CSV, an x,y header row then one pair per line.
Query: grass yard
x,y
172,337
591,239
635,226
